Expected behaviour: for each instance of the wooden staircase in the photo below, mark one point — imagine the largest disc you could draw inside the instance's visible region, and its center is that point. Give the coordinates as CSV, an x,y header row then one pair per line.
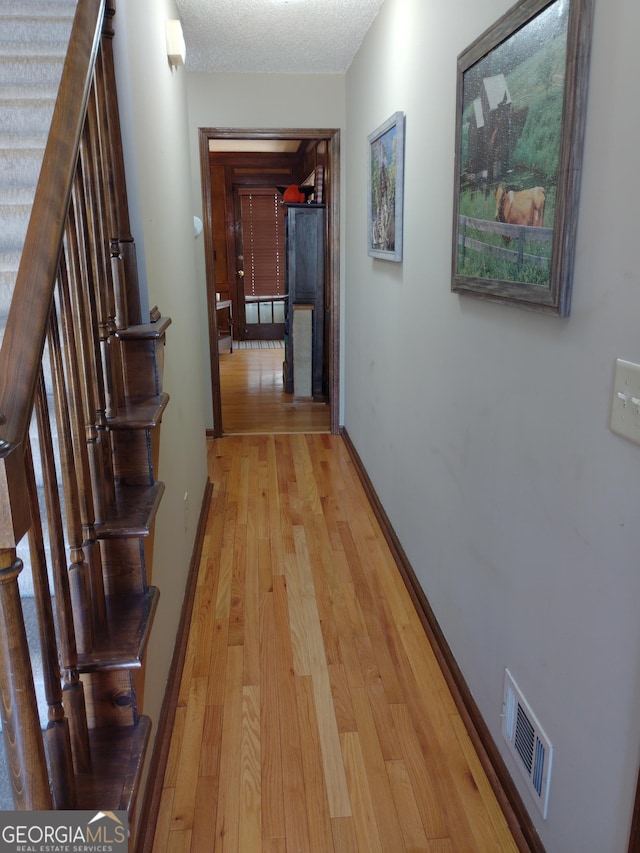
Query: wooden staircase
x,y
81,403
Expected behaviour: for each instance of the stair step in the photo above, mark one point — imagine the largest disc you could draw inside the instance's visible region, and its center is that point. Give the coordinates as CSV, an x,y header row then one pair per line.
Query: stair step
x,y
16,194
15,220
141,414
26,115
30,28
145,331
20,68
23,50
144,358
134,513
9,262
45,8
118,757
33,91
123,643
20,169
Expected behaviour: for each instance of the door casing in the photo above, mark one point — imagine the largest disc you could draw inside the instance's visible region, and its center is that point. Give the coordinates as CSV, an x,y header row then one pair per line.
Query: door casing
x,y
332,177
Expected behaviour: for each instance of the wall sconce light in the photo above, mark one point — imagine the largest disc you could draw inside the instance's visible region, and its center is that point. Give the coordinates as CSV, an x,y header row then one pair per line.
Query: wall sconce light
x,y
176,50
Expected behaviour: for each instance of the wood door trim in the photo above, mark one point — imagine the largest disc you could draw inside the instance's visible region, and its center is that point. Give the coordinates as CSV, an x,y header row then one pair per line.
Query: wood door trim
x,y
332,177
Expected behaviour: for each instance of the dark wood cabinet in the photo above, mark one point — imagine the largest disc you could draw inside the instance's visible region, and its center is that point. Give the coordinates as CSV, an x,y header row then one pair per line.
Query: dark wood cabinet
x,y
305,263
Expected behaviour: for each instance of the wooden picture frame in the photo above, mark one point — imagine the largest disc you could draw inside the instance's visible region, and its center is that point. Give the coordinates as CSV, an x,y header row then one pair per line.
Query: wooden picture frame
x,y
521,104
385,189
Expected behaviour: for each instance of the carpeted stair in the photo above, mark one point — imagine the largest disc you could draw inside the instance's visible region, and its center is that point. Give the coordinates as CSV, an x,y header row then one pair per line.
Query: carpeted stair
x,y
34,35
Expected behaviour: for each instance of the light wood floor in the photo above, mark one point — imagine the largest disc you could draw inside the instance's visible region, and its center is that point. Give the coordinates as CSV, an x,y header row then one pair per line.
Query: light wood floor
x,y
253,398
312,713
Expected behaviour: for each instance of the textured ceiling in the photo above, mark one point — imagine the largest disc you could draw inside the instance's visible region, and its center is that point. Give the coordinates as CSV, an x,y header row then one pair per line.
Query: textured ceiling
x,y
274,36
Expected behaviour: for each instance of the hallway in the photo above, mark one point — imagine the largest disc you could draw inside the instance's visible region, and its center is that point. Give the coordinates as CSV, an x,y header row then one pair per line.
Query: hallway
x,y
312,714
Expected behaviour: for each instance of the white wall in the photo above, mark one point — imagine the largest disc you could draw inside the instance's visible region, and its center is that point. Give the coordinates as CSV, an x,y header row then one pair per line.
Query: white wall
x,y
254,101
153,113
485,428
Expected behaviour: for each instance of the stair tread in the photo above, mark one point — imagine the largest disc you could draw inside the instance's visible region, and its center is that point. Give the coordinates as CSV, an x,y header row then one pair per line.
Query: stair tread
x,y
145,331
23,49
133,514
140,414
122,643
118,757
17,196
10,261
34,92
44,9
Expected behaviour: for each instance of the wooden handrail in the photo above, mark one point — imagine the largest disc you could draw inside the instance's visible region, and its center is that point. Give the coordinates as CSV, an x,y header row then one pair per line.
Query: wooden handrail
x,y
22,347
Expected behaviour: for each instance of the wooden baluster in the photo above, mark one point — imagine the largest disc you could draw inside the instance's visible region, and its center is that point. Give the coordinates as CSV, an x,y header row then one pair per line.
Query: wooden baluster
x,y
127,277
79,270
18,707
117,216
90,542
73,691
98,211
78,571
56,736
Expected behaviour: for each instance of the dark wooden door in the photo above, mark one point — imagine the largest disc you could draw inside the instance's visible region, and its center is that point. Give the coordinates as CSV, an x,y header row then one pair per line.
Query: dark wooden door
x,y
260,263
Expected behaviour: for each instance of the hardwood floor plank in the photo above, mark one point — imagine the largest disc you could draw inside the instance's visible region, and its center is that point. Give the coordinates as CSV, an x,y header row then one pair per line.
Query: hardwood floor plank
x,y
491,812
312,714
441,845
209,764
391,837
293,787
295,797
274,526
274,845
173,761
186,779
218,656
228,812
161,837
179,841
252,614
344,835
250,824
318,817
204,815
202,628
273,822
431,805
364,817
341,694
415,839
238,586
309,634
368,604
326,586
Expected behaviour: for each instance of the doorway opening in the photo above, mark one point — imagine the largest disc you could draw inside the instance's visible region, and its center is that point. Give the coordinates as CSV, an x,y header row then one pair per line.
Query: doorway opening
x,y
235,162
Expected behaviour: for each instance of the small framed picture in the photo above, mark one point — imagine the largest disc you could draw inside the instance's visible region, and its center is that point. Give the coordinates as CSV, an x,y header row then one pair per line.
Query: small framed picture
x,y
385,189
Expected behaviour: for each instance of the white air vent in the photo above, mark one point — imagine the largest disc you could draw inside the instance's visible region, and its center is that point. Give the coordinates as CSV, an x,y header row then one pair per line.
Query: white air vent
x,y
527,741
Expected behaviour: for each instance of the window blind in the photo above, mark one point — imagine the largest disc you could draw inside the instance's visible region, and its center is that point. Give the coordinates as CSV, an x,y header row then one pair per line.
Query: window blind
x,y
263,242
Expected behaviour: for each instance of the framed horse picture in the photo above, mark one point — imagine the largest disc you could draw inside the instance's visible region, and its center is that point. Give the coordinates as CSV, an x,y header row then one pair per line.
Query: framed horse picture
x,y
520,116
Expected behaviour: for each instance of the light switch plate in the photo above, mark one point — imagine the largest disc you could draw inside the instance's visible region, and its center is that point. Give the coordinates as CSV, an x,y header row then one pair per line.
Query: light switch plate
x,y
625,405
